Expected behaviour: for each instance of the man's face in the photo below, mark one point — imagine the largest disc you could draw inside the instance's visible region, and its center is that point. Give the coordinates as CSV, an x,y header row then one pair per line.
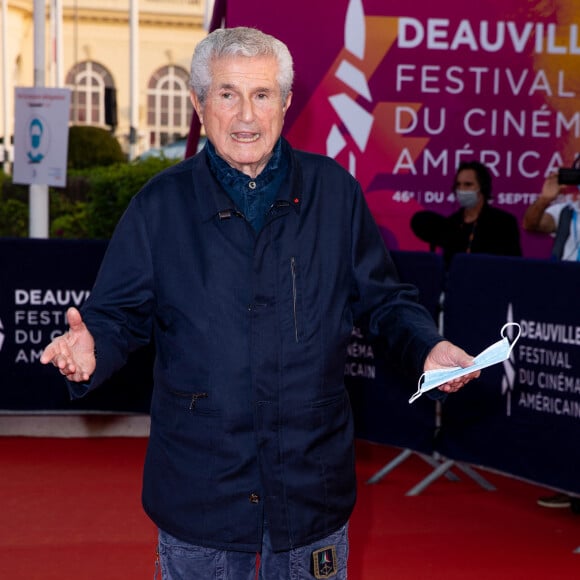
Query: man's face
x,y
243,113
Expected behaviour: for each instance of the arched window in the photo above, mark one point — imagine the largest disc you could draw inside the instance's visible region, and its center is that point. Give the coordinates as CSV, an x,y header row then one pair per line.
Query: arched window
x,y
168,105
88,80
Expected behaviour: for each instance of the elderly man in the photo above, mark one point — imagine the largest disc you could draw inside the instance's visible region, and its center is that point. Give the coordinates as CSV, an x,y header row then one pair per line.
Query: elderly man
x,y
247,265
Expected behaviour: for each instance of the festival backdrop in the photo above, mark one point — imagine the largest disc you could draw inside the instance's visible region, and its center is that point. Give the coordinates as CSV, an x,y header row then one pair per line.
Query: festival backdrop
x,y
522,416
40,280
401,92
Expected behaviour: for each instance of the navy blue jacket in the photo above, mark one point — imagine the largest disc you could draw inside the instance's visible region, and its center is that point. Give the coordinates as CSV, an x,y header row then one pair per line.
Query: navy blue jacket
x,y
250,419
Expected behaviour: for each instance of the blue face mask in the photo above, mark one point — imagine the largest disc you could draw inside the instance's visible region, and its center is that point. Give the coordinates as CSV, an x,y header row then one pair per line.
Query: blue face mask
x,y
467,198
496,353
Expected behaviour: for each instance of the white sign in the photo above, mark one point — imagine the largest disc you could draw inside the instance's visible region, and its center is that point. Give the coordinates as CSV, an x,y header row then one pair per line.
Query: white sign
x,y
41,136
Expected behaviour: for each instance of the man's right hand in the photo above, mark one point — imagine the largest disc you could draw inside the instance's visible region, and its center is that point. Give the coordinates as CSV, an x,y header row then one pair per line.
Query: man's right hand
x,y
73,353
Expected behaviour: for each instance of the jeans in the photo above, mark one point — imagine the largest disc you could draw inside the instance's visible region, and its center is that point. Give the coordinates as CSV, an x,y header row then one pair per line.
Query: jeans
x,y
179,560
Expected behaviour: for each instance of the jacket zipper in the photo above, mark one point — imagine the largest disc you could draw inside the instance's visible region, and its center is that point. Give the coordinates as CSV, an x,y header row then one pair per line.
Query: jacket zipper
x,y
294,296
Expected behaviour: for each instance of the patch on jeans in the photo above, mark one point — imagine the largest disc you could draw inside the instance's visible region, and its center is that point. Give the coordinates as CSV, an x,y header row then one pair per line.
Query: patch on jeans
x,y
324,564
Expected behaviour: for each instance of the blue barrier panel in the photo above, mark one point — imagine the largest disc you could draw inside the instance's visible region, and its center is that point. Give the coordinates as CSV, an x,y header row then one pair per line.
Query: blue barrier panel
x,y
378,389
40,280
521,417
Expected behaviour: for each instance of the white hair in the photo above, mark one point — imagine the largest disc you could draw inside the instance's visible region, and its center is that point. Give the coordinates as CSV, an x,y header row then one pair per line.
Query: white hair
x,y
239,41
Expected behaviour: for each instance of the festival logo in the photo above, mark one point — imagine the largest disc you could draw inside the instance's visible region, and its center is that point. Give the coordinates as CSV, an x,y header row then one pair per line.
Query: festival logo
x,y
509,369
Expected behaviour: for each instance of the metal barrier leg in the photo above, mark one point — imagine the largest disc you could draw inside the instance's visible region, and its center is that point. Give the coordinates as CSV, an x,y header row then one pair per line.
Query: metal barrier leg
x,y
434,462
435,474
475,476
445,467
390,466
403,456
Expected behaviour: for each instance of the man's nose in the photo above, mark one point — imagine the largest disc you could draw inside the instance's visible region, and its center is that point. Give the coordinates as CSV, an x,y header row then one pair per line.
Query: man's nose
x,y
246,111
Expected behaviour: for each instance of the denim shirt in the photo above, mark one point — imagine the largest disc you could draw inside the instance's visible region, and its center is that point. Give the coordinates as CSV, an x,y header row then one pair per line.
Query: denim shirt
x,y
253,197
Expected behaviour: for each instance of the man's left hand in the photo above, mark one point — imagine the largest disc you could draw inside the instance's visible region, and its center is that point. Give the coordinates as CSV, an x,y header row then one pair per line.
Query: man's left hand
x,y
446,355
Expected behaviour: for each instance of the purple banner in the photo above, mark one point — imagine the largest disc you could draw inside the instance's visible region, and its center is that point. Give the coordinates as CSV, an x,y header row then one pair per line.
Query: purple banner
x,y
400,93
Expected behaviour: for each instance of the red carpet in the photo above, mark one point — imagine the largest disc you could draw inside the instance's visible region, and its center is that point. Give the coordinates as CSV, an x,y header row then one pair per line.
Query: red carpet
x,y
70,509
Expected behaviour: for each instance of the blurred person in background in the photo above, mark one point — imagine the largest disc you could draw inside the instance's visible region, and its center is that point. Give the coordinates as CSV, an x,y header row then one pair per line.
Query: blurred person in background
x,y
476,227
557,219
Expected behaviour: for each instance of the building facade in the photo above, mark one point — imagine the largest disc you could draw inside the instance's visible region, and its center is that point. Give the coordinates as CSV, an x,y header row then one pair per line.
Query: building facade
x,y
89,50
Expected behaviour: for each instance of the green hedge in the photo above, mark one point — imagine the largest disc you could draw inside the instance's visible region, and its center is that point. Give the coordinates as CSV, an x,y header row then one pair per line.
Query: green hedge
x,y
88,207
92,147
100,183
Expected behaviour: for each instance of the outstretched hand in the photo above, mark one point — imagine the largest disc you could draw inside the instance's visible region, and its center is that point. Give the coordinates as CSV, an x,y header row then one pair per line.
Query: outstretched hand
x,y
446,355
73,353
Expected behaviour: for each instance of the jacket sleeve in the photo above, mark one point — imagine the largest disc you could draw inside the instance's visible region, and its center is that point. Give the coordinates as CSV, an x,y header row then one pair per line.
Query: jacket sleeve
x,y
390,306
118,313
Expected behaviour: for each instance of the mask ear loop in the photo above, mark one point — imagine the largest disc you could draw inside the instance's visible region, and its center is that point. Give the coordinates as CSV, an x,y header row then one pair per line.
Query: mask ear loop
x,y
512,344
421,381
418,392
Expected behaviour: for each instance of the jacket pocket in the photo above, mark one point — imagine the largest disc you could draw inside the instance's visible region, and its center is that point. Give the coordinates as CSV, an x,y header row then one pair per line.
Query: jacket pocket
x,y
195,402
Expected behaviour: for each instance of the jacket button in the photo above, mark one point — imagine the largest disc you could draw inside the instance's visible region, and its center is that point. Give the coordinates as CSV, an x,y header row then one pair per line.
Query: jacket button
x,y
254,498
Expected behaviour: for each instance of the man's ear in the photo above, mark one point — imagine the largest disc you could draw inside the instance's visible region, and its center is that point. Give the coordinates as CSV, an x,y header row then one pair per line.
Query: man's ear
x,y
287,103
196,105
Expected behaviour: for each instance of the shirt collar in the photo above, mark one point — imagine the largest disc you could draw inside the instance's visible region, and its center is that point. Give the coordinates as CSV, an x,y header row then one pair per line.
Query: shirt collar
x,y
229,176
